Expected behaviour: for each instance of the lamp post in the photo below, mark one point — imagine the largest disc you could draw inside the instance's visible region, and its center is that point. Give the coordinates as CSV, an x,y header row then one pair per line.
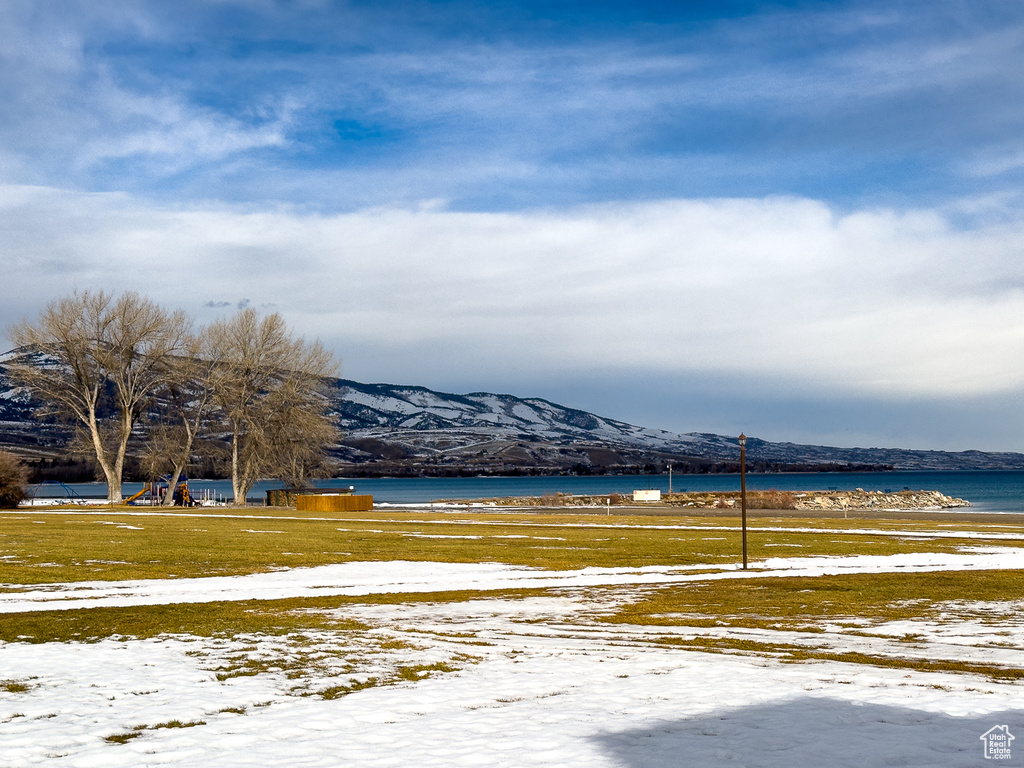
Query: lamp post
x,y
743,494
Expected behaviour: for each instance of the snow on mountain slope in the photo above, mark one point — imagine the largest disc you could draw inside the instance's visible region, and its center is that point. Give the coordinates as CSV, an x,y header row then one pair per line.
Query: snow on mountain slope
x,y
379,410
487,431
424,421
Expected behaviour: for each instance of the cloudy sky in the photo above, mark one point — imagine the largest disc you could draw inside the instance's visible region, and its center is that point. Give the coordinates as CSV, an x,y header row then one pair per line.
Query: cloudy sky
x,y
802,220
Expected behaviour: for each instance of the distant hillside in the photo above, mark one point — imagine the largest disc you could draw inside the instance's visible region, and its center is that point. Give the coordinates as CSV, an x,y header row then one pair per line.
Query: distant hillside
x,y
388,423
393,429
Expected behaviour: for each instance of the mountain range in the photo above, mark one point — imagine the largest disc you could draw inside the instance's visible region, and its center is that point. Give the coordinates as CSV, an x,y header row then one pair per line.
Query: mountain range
x,y
395,429
388,425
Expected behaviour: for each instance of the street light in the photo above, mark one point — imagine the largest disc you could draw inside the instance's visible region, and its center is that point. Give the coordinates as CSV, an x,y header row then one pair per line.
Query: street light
x,y
743,494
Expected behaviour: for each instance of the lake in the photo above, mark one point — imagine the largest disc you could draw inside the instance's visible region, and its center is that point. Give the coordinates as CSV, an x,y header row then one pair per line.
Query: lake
x,y
989,491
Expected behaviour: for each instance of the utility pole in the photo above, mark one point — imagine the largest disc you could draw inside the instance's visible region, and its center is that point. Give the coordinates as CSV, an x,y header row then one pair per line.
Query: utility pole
x,y
743,493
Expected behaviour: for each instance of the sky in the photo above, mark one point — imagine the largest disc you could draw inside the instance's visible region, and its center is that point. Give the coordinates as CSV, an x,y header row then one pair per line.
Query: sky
x,y
801,220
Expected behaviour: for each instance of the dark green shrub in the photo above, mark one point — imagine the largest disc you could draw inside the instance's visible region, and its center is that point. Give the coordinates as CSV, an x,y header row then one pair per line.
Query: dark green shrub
x,y
13,480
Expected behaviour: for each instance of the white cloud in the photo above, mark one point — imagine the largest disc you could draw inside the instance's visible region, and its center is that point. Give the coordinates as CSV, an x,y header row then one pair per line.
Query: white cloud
x,y
174,135
70,109
997,161
113,94
873,302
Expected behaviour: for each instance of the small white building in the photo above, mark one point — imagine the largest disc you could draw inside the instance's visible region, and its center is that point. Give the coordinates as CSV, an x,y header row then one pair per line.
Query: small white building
x,y
646,495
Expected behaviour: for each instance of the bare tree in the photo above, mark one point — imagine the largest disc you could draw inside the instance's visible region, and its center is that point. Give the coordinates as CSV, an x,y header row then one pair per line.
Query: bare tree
x,y
98,353
298,433
186,404
269,387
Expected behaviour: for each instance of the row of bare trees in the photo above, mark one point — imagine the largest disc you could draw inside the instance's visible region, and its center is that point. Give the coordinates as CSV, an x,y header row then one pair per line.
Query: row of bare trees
x,y
111,363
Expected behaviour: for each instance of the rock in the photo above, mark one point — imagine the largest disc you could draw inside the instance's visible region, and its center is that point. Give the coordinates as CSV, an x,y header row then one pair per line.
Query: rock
x,y
861,499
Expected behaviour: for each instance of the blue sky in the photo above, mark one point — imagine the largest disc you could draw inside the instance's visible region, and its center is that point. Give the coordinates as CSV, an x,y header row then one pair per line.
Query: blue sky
x,y
797,219
508,105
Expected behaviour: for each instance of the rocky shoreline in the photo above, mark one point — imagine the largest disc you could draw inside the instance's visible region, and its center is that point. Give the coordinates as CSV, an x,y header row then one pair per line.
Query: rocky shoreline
x,y
819,501
878,500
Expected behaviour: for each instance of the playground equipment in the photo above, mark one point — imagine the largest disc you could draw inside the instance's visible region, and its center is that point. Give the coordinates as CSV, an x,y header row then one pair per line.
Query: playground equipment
x,y
71,496
134,497
153,494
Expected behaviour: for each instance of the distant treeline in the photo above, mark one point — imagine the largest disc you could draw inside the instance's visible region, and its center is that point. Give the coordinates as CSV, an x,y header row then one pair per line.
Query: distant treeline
x,y
80,470
777,466
377,470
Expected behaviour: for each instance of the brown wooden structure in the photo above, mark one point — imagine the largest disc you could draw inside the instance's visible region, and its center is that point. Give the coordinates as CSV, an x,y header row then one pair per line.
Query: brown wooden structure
x,y
324,502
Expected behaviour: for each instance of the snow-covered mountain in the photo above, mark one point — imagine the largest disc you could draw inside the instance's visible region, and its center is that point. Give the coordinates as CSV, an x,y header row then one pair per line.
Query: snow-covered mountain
x,y
394,411
384,422
388,428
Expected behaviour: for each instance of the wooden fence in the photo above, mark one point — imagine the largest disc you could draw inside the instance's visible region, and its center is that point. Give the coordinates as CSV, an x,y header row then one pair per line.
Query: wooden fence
x,y
333,503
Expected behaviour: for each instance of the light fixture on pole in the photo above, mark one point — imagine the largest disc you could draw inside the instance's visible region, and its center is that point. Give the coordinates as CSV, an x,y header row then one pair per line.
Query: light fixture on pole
x,y
743,494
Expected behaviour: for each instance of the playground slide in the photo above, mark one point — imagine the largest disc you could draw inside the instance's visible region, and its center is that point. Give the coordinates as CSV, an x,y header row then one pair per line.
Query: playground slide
x,y
131,499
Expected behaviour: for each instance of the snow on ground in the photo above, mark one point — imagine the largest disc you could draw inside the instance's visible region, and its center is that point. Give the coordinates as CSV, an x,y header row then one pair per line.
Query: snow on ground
x,y
929,533
546,685
364,578
543,705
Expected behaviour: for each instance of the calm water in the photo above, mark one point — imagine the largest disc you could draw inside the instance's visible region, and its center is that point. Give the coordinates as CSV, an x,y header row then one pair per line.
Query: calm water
x,y
991,491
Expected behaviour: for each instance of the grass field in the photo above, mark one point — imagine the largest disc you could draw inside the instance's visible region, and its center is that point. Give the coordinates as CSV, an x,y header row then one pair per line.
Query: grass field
x,y
908,595
41,547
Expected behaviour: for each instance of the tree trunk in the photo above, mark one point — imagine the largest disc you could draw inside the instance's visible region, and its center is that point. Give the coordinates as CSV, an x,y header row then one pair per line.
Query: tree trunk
x,y
115,496
179,464
236,471
113,479
172,485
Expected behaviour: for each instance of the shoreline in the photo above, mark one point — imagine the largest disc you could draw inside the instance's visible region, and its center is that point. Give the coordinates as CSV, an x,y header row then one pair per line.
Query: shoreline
x,y
827,503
